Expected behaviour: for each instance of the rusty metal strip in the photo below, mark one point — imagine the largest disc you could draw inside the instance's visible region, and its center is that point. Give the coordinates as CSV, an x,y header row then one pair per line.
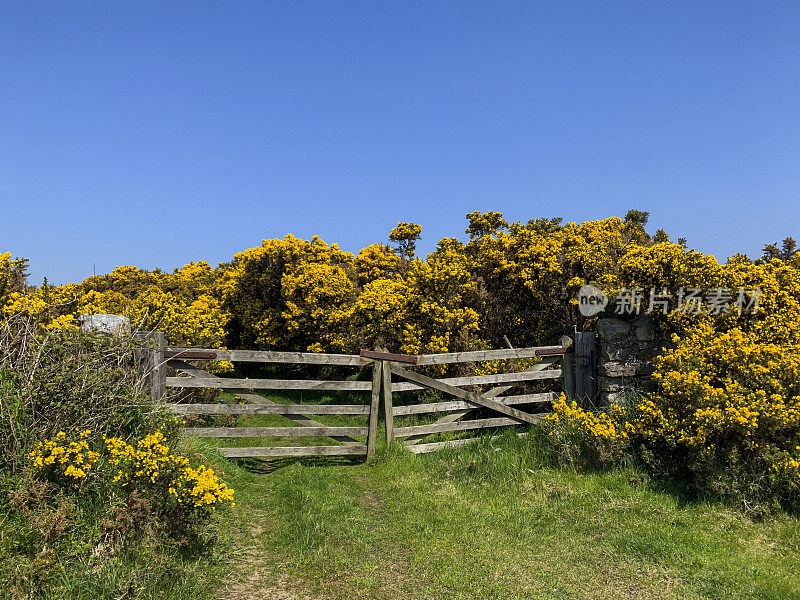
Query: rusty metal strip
x,y
190,354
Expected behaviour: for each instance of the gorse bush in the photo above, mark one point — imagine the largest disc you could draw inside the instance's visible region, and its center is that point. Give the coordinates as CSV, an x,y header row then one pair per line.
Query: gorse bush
x,y
184,304
61,379
88,501
509,279
88,475
182,496
595,439
724,417
62,460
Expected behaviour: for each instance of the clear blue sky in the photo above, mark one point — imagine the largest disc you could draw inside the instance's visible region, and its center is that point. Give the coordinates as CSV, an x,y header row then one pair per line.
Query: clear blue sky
x,y
155,133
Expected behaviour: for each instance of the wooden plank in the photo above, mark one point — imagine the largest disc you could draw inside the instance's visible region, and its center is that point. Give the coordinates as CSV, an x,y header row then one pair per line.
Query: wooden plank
x,y
430,447
233,432
267,384
401,358
483,355
457,426
358,450
270,356
416,409
388,406
484,379
463,394
269,409
255,398
375,399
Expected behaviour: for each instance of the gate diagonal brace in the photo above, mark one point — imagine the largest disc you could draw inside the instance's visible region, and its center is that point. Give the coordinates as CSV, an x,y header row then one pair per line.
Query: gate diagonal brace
x,y
495,391
435,384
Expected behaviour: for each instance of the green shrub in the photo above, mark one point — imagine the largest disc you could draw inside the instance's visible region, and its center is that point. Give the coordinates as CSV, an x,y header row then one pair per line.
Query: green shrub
x,y
58,380
87,468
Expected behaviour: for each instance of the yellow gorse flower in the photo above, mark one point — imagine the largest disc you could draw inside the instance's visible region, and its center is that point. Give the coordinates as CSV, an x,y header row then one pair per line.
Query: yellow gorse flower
x,y
608,425
71,458
147,461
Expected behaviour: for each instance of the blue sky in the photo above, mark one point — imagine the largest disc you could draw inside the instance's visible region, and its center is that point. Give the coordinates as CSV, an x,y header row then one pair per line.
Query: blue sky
x,y
155,133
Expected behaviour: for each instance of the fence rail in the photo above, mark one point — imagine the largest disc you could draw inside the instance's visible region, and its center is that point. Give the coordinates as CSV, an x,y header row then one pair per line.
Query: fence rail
x,y
484,355
554,364
269,384
415,409
279,451
254,432
267,409
267,356
520,377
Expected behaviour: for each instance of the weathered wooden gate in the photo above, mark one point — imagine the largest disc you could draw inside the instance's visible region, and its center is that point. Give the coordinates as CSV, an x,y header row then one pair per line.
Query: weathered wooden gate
x,y
554,364
507,407
189,376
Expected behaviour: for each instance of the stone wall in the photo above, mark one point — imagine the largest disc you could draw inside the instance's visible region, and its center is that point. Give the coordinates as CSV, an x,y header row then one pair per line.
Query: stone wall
x,y
626,349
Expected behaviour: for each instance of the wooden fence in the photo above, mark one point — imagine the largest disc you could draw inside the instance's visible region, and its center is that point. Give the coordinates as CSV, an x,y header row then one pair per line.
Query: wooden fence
x,y
553,365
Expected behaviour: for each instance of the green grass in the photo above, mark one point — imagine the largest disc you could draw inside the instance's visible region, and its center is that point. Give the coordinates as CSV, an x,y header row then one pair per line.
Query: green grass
x,y
147,571
494,520
93,565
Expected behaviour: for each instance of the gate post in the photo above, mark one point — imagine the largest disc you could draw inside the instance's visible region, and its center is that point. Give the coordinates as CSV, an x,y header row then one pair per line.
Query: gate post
x,y
158,389
372,427
388,406
151,363
585,367
568,367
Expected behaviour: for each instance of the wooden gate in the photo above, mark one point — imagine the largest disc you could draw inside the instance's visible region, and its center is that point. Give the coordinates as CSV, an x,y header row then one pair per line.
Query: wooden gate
x,y
552,364
190,376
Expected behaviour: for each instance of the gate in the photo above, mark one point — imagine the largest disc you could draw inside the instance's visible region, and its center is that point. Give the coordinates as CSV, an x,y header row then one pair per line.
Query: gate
x,y
505,408
554,366
190,376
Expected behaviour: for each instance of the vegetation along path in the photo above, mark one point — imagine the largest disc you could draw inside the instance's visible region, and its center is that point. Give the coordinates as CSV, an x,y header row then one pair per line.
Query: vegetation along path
x,y
495,520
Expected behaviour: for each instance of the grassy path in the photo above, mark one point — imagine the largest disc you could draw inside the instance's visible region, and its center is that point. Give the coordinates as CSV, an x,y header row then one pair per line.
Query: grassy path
x,y
492,521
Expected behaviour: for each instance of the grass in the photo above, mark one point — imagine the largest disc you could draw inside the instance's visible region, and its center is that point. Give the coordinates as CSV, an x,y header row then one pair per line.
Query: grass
x,y
492,520
148,571
92,567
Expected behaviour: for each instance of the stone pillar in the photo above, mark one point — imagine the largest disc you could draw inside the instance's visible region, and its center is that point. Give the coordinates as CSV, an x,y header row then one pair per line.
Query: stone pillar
x,y
627,350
